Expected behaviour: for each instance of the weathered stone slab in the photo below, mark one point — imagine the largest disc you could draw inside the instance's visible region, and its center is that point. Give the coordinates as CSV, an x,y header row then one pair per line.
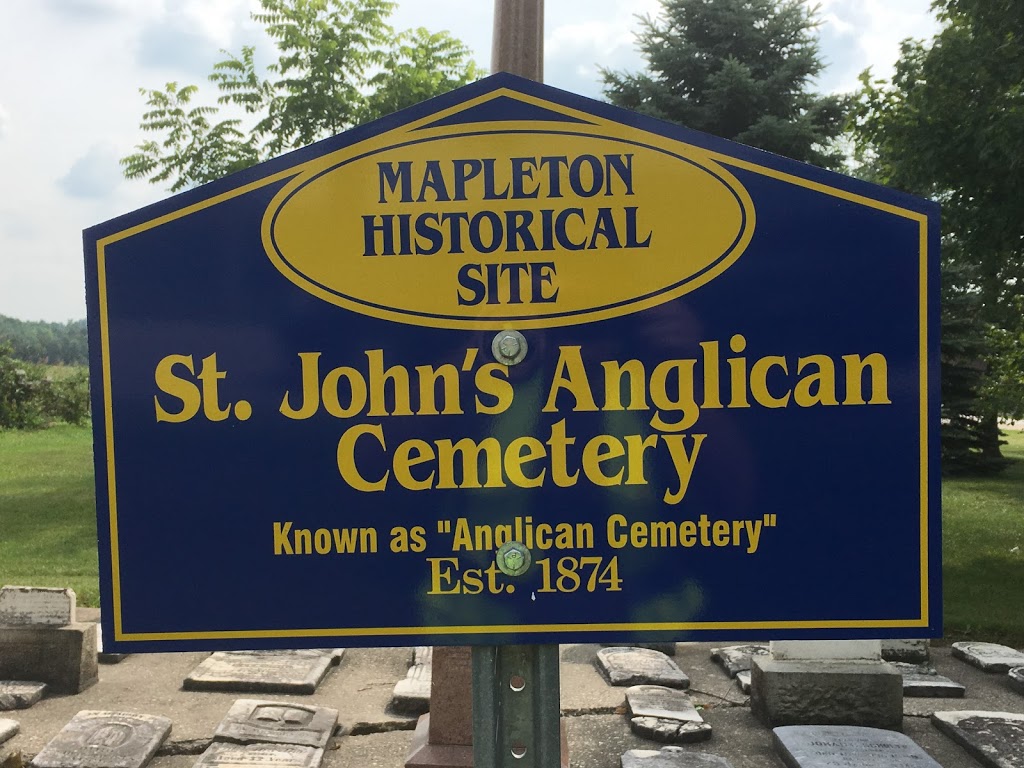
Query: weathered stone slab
x,y
1016,678
990,657
8,729
261,671
848,746
336,654
640,666
62,657
422,654
411,696
665,714
36,606
909,651
736,658
995,739
221,755
669,649
924,681
671,757
743,681
15,694
250,721
105,740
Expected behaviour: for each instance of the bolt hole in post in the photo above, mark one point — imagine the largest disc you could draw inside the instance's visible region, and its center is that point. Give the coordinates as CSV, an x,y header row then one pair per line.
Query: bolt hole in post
x,y
517,683
518,751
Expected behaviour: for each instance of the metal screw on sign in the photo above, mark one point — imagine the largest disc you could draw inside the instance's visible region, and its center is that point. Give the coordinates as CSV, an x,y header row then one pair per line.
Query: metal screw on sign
x,y
509,347
513,559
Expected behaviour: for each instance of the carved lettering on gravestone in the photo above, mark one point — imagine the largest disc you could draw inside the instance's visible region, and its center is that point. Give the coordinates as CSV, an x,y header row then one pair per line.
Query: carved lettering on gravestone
x,y
665,714
105,740
15,694
261,671
996,739
990,657
221,755
736,658
640,666
250,721
8,729
36,606
848,746
411,695
671,757
1016,678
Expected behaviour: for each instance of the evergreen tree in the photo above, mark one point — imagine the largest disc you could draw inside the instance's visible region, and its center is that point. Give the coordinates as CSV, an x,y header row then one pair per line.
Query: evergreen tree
x,y
739,69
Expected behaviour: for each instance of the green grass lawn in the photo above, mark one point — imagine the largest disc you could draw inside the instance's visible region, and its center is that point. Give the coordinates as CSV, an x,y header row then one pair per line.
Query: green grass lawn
x,y
48,531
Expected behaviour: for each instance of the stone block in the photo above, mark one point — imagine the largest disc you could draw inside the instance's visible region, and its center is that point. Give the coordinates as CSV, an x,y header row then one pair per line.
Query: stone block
x,y
909,651
18,694
8,729
290,671
990,657
826,693
62,657
665,715
36,606
994,739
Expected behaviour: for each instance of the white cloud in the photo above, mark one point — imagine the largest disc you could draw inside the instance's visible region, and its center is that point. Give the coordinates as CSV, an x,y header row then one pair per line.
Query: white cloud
x,y
5,121
96,174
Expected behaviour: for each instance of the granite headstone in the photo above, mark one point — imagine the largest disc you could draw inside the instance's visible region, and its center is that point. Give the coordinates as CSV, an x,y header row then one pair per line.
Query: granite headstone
x,y
221,755
640,666
250,721
94,739
298,671
848,746
994,739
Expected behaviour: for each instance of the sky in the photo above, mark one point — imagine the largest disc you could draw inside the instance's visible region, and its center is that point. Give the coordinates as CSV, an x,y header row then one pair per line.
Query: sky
x,y
70,107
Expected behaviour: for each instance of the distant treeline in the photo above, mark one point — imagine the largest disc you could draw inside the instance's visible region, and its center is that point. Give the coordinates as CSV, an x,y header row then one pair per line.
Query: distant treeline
x,y
41,342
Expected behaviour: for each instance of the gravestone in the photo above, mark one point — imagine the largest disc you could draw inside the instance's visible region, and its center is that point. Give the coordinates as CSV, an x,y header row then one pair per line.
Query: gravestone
x,y
736,658
221,755
261,671
640,666
36,606
671,757
1016,678
994,739
924,681
41,640
669,649
848,746
8,729
908,651
411,695
665,714
269,722
743,681
990,657
105,740
17,694
422,654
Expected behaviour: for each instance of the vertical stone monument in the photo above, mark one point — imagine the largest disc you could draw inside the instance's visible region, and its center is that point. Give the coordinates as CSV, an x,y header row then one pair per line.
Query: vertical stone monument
x,y
841,682
41,640
444,736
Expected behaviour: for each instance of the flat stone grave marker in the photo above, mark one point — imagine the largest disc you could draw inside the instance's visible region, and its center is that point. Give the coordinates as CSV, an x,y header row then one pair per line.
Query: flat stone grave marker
x,y
671,757
422,654
995,739
924,681
640,666
298,671
95,739
1016,677
848,746
736,658
909,651
36,606
17,694
336,654
669,649
221,755
411,695
743,681
8,729
250,721
665,714
990,657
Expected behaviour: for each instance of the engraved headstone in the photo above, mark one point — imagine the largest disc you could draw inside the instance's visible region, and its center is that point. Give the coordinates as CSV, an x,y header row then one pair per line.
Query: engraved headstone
x,y
848,746
990,657
271,722
8,729
665,714
669,649
15,694
412,694
736,658
924,681
36,606
908,651
260,671
743,681
640,666
105,740
1016,678
995,739
221,755
671,757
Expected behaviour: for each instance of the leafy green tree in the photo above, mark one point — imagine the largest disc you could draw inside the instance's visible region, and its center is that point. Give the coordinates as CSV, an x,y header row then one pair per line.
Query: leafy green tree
x,y
950,125
739,69
339,64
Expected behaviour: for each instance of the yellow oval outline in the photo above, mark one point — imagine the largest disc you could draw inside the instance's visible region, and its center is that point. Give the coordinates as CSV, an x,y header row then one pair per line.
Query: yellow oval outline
x,y
577,317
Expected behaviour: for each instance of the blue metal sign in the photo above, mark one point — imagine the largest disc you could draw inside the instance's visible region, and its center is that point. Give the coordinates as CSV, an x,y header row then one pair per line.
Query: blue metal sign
x,y
687,388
